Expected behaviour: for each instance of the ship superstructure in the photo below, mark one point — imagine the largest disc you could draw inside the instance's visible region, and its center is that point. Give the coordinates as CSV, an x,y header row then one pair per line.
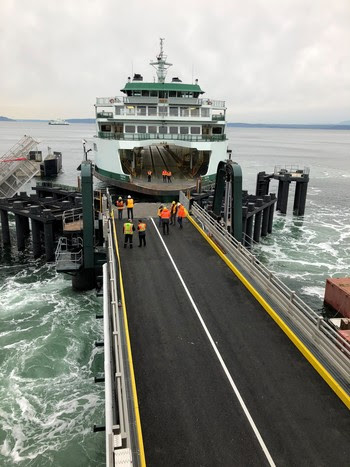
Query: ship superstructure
x,y
158,126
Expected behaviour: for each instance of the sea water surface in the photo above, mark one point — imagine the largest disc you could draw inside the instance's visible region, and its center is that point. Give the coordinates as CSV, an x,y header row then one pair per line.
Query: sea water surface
x,y
48,400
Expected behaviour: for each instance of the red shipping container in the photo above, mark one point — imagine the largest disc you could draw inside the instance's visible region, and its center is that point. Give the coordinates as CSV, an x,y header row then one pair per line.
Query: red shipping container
x,y
337,295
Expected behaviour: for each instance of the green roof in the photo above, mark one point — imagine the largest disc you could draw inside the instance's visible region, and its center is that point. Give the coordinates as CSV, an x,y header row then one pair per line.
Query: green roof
x,y
141,86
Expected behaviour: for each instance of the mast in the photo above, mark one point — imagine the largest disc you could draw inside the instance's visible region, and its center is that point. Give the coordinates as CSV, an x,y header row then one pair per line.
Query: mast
x,y
161,64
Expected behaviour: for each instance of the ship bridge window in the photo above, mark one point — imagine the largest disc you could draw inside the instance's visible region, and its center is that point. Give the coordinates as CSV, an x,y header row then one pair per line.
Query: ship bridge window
x,y
174,111
141,110
184,130
195,130
163,94
106,128
217,130
205,112
154,94
145,93
163,111
152,129
173,130
130,110
136,93
172,93
184,112
129,128
141,129
152,111
119,110
163,130
194,112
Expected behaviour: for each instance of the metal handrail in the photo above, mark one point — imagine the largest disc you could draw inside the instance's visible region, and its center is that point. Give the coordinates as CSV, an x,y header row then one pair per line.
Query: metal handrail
x,y
312,328
63,252
72,215
160,136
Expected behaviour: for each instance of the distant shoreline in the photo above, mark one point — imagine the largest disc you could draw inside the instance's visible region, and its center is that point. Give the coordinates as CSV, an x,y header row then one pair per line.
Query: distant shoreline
x,y
296,126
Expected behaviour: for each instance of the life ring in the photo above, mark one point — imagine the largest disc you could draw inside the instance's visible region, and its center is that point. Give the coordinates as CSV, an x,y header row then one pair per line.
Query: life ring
x,y
111,101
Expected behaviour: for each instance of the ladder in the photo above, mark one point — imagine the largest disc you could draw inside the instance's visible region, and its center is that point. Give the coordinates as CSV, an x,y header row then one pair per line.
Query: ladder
x,y
15,167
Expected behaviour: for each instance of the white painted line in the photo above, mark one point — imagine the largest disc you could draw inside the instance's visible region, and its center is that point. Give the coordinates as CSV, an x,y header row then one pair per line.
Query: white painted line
x,y
221,360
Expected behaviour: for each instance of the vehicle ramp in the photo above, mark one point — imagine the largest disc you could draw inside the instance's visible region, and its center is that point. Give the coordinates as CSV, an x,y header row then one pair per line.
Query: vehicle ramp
x,y
218,382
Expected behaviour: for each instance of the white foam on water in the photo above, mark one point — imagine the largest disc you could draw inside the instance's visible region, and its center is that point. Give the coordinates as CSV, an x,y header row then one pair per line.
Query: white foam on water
x,y
48,397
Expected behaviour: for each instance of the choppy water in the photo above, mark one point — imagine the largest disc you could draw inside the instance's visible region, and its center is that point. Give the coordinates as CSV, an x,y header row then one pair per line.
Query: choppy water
x,y
48,400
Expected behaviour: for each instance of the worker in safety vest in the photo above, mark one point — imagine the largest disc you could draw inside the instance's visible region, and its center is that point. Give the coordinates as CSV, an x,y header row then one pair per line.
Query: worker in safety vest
x,y
120,207
165,220
159,213
173,210
149,175
164,174
128,231
181,213
130,207
169,175
141,227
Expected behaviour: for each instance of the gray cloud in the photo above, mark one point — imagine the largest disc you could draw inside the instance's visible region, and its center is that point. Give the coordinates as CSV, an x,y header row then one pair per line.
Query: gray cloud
x,y
271,60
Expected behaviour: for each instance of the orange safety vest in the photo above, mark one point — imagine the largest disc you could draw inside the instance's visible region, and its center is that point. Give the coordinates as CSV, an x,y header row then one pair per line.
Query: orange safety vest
x,y
169,174
181,212
164,173
141,227
130,203
128,228
120,204
165,214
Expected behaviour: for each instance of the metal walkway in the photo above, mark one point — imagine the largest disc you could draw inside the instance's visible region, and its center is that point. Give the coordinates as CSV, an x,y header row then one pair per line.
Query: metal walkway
x,y
15,168
218,382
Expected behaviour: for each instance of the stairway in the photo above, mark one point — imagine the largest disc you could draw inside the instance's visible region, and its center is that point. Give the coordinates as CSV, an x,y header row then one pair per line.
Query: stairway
x,y
16,173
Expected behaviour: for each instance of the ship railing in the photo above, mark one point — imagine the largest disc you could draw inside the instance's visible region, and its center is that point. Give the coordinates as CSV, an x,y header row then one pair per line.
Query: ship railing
x,y
121,433
113,100
313,330
58,185
291,169
161,136
69,251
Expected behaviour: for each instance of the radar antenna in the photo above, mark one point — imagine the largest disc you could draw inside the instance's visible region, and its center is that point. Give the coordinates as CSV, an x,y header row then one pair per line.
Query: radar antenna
x,y
161,64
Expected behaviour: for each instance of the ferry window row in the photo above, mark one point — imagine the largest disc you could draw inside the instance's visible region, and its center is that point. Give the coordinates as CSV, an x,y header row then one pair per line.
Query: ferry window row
x,y
172,130
164,94
154,111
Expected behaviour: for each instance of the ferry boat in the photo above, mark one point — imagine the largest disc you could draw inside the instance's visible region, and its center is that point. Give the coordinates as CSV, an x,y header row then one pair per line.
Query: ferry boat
x,y
156,126
58,121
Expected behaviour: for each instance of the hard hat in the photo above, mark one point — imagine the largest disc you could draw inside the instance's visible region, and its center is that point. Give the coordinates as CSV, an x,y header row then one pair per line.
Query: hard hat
x,y
174,202
130,220
120,197
129,196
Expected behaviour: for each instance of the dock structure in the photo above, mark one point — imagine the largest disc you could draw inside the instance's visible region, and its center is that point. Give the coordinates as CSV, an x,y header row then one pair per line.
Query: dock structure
x,y
285,176
223,356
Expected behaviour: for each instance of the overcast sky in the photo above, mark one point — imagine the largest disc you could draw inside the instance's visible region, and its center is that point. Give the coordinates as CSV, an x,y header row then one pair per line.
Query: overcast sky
x,y
282,61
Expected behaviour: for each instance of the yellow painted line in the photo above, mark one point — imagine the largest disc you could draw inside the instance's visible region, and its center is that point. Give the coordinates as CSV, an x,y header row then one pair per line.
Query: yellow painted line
x,y
340,392
131,365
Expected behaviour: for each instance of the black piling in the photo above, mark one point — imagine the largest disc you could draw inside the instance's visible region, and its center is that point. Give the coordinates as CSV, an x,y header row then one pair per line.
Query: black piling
x,y
271,212
5,228
283,191
257,223
49,239
300,197
36,240
265,216
249,230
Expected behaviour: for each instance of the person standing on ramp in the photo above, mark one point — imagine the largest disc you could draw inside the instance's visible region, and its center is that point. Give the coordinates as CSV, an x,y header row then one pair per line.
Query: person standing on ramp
x,y
141,227
128,231
130,207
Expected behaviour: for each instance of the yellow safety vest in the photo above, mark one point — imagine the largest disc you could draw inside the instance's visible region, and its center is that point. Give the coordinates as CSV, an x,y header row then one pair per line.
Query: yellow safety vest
x,y
130,203
128,228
